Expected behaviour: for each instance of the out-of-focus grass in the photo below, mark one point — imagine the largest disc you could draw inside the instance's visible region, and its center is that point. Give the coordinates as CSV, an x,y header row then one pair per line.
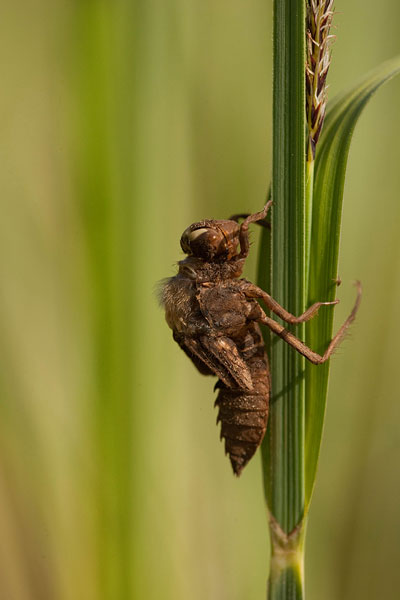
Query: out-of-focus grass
x,y
124,482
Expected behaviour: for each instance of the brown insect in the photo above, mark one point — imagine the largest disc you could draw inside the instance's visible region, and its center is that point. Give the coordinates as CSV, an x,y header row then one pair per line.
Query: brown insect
x,y
215,319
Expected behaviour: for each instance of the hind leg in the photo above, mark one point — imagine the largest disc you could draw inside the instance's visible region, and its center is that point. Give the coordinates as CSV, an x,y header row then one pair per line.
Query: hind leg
x,y
298,345
253,291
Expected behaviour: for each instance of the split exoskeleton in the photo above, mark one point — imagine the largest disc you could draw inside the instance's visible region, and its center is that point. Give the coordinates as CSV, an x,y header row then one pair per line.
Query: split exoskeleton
x,y
215,319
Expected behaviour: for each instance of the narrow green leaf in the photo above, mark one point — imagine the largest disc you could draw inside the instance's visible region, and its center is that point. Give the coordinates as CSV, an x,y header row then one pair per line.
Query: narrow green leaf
x,y
330,173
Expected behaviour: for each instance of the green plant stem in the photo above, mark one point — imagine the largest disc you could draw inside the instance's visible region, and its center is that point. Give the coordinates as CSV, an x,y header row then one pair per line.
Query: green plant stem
x,y
107,220
283,451
287,563
309,206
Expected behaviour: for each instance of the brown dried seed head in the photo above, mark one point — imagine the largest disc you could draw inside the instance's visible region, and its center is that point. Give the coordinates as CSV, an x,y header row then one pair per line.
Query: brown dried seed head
x,y
319,20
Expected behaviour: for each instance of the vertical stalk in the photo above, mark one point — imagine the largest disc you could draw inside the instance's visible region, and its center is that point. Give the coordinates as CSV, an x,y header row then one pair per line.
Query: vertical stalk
x,y
308,215
283,451
105,197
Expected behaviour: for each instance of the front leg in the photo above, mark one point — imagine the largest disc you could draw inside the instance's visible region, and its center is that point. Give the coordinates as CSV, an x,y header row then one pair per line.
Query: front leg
x,y
298,345
261,222
244,230
253,291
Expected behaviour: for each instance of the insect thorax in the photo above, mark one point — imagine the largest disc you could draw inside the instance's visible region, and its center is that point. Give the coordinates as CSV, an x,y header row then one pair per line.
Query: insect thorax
x,y
201,271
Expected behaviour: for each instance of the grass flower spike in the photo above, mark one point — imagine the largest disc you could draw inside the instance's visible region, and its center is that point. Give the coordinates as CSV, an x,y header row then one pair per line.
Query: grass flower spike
x,y
319,19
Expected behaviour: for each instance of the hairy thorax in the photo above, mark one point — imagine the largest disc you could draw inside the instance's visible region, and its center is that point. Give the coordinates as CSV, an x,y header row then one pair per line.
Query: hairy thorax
x,y
202,271
205,297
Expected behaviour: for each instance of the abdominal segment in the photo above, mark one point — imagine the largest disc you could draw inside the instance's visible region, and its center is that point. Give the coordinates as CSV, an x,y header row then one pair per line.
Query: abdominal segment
x,y
243,413
243,416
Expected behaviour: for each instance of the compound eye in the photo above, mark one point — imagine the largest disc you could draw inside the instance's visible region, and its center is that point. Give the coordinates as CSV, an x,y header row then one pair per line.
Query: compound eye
x,y
204,242
195,234
188,236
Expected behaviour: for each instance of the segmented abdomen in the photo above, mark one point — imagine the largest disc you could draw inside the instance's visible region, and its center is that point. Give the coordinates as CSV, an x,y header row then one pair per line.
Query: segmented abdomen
x,y
244,413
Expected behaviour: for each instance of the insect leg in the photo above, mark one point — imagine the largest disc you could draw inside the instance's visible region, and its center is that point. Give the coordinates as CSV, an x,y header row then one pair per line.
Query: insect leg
x,y
262,222
298,345
253,291
244,230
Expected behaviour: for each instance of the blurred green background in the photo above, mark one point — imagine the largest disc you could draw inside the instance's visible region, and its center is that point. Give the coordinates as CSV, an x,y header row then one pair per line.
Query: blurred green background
x,y
121,123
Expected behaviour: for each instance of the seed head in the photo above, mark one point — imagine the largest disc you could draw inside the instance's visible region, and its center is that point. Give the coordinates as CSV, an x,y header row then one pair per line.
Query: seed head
x,y
319,20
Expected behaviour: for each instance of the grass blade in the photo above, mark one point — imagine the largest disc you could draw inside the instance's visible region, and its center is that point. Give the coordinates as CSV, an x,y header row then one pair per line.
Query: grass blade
x,y
330,173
